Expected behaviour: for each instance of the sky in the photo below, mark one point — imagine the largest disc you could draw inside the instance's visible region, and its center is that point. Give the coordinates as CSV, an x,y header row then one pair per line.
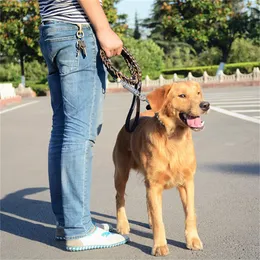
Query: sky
x,y
129,7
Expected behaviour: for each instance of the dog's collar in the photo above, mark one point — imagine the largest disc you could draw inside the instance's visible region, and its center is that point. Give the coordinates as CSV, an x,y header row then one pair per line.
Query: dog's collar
x,y
158,118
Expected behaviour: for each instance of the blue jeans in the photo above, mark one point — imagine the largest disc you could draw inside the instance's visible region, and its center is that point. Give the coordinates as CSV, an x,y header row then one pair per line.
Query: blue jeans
x,y
77,87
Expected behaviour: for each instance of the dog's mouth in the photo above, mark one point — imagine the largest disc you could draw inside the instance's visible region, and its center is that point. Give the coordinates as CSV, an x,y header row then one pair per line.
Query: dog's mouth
x,y
194,122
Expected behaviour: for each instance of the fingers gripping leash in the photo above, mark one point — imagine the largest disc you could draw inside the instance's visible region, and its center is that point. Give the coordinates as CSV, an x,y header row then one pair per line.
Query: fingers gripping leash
x,y
128,83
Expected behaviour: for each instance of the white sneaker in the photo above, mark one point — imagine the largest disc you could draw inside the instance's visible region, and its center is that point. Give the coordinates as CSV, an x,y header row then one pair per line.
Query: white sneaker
x,y
60,234
96,240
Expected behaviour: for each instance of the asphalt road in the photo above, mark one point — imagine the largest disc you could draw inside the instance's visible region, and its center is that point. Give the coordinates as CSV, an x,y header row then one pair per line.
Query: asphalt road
x,y
227,184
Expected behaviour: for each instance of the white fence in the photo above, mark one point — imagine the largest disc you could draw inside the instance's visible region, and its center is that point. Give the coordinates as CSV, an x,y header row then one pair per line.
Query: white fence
x,y
237,77
7,91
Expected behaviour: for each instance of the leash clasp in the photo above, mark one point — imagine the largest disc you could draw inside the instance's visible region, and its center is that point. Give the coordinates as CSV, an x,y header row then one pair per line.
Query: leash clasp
x,y
134,91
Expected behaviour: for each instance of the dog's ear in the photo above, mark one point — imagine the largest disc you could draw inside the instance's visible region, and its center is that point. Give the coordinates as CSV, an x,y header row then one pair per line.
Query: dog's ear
x,y
157,97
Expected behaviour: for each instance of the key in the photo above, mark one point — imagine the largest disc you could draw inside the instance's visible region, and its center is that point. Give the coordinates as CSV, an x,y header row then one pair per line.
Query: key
x,y
82,47
77,49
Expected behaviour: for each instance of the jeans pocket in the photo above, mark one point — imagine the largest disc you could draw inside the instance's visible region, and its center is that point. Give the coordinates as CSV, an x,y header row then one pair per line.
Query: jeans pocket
x,y
67,58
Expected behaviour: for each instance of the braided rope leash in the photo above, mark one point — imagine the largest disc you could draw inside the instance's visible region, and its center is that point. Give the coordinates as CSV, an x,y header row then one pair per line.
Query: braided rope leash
x,y
128,83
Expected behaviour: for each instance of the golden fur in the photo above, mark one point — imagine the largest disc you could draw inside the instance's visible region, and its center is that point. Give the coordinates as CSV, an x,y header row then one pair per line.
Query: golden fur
x,y
161,148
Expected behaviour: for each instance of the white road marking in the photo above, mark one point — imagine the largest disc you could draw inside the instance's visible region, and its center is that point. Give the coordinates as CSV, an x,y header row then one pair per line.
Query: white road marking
x,y
248,105
257,117
246,111
16,107
247,93
238,102
230,99
234,114
231,96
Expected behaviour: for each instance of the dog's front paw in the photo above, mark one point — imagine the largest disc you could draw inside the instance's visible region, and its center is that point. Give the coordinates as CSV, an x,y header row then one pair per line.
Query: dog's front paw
x,y
123,227
194,243
160,250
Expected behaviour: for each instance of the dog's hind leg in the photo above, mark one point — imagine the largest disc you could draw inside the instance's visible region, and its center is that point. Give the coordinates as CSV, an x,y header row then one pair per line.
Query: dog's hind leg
x,y
121,178
191,233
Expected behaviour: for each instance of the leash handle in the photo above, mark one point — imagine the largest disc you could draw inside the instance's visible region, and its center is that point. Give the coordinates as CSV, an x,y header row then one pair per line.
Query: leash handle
x,y
135,71
135,80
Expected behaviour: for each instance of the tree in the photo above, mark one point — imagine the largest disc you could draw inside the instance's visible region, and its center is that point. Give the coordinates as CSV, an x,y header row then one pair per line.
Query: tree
x,y
137,34
243,50
19,29
232,26
201,23
117,21
175,50
19,32
147,53
254,23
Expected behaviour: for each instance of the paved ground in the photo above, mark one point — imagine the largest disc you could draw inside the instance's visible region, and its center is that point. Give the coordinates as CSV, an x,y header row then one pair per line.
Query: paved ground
x,y
227,184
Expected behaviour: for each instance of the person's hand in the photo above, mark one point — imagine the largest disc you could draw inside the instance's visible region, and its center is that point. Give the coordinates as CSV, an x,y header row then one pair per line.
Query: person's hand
x,y
109,42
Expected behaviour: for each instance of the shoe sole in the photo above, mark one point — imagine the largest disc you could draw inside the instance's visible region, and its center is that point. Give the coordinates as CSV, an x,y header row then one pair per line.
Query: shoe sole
x,y
82,248
60,238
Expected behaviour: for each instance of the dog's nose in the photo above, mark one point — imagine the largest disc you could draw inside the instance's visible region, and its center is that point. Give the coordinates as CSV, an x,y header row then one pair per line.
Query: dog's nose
x,y
204,105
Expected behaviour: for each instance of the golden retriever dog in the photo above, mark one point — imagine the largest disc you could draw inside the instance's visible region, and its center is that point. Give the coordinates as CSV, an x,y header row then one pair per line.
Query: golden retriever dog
x,y
161,148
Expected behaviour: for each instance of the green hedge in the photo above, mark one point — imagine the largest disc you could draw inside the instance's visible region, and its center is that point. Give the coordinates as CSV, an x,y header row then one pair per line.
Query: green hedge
x,y
244,67
40,89
35,76
34,71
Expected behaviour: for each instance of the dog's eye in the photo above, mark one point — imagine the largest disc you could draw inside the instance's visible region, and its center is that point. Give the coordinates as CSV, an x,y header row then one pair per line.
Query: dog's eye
x,y
182,96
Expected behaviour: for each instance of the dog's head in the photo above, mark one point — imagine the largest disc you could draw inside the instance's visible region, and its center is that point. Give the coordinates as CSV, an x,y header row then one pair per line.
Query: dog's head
x,y
180,102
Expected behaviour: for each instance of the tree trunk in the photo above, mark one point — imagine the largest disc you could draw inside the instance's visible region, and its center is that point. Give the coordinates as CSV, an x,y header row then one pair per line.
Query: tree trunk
x,y
225,52
22,69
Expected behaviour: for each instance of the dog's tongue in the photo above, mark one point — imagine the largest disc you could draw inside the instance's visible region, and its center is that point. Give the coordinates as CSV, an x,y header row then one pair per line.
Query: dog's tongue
x,y
194,122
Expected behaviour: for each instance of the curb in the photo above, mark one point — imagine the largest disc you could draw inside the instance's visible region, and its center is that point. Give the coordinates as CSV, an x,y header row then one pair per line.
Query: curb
x,y
7,101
